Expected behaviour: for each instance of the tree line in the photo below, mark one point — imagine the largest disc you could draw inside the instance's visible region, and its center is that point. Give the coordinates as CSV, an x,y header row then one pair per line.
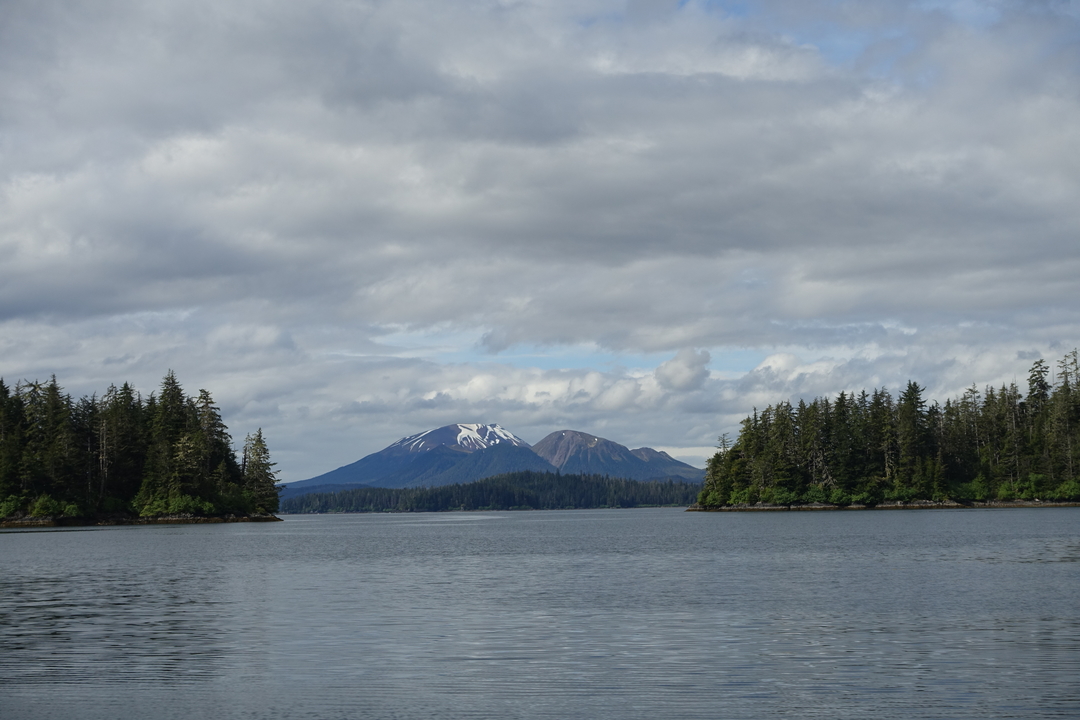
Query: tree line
x,y
997,444
511,491
119,453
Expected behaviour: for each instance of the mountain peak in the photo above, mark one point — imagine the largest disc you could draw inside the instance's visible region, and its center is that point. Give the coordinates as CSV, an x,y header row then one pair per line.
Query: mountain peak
x,y
648,454
467,436
573,451
564,446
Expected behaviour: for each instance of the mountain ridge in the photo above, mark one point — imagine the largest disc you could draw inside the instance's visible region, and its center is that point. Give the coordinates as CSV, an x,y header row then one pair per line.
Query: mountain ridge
x,y
467,452
573,451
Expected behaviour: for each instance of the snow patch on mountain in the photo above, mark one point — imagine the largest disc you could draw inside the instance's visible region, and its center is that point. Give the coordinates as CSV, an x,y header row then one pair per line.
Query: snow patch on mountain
x,y
467,436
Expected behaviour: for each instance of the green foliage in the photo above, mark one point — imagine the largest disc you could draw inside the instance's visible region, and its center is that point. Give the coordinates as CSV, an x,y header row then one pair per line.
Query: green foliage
x,y
177,505
839,497
1067,491
869,448
743,496
12,505
117,453
779,496
46,506
1006,492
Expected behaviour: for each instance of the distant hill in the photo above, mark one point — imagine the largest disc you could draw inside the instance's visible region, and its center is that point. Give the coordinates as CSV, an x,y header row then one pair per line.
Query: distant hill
x,y
663,465
463,453
577,452
291,489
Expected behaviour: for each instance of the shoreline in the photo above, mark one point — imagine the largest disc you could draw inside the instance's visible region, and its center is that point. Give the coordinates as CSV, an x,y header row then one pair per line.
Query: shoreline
x,y
184,519
894,505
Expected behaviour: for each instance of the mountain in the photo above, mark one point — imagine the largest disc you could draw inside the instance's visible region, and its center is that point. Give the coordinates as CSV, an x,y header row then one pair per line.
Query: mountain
x,y
464,453
495,460
663,465
577,452
431,464
460,439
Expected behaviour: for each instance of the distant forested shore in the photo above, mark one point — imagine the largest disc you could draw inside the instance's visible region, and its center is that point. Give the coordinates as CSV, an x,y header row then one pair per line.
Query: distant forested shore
x,y
995,446
511,491
117,457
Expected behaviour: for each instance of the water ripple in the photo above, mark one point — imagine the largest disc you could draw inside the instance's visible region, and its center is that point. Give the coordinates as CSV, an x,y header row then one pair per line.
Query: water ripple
x,y
608,614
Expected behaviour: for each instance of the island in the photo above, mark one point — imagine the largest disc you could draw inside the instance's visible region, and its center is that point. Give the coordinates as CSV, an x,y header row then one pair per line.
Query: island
x,y
119,458
997,447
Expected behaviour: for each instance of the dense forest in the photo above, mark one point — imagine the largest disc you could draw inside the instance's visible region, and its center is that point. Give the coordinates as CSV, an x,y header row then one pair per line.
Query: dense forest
x,y
869,448
512,491
119,454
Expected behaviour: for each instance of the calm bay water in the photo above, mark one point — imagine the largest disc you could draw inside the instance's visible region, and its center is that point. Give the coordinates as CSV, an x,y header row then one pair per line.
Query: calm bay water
x,y
577,614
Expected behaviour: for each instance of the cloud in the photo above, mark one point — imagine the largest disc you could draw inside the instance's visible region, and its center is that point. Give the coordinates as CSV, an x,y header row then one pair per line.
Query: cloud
x,y
685,371
345,218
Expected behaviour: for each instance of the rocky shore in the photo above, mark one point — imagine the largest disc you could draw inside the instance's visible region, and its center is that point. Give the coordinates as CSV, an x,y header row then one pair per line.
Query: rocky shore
x,y
183,519
889,505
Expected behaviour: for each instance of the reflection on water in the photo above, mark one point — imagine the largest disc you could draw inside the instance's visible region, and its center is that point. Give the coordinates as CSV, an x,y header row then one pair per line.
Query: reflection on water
x,y
580,614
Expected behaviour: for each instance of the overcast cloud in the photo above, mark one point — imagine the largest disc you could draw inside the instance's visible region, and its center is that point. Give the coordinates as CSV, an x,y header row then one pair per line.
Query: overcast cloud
x,y
353,221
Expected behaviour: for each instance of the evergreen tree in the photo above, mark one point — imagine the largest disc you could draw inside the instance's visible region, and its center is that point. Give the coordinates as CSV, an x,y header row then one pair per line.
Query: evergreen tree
x,y
48,464
84,420
911,443
168,465
259,476
122,439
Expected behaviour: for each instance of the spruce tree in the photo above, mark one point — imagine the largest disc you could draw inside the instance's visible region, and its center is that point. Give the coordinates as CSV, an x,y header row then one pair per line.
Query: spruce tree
x,y
122,439
163,477
259,476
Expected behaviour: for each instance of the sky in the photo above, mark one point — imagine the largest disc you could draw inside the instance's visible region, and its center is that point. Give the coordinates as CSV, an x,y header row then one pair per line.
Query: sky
x,y
354,221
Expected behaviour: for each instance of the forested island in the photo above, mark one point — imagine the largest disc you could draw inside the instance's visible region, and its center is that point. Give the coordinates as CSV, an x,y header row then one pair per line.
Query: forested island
x,y
511,491
997,445
119,457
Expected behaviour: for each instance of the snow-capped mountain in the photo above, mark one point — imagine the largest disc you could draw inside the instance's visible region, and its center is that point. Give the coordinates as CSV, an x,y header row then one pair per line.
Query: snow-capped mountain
x,y
464,452
409,459
467,436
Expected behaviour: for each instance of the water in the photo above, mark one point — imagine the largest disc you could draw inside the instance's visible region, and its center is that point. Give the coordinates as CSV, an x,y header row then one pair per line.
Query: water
x,y
578,614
